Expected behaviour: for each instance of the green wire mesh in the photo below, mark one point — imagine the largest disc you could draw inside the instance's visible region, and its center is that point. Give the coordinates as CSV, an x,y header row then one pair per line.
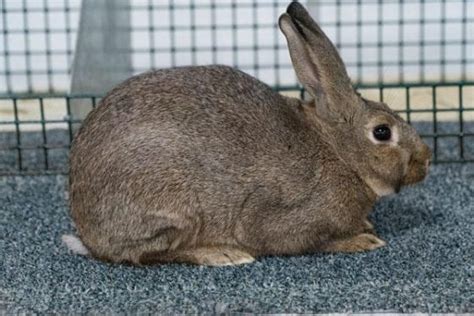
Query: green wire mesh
x,y
36,136
416,55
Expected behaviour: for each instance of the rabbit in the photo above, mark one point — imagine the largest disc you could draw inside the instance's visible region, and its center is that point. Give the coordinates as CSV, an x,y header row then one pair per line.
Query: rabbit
x,y
207,165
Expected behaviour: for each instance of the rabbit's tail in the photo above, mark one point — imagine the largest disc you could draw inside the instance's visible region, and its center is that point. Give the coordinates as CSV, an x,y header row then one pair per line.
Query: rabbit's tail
x,y
75,245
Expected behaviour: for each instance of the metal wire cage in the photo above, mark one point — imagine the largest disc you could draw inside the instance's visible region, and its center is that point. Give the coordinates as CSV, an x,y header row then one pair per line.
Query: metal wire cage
x,y
415,55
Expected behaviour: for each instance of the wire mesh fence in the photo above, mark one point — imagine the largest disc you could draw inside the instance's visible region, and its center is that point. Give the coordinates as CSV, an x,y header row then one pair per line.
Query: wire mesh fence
x,y
416,55
36,135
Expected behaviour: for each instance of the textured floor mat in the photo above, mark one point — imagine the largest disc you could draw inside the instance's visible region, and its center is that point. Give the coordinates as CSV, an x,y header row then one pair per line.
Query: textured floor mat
x,y
427,265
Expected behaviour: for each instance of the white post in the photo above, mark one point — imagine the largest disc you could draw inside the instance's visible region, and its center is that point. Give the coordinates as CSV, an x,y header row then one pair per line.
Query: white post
x,y
102,57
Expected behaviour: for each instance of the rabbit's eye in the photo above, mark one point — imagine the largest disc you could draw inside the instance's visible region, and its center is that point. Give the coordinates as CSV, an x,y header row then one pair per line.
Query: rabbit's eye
x,y
382,133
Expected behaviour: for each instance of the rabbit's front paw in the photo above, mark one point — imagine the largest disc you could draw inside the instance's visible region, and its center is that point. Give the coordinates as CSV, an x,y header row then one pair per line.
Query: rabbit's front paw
x,y
358,243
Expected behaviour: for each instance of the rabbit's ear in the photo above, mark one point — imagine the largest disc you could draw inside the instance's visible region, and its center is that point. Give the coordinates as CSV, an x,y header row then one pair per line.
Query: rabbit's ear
x,y
317,64
305,67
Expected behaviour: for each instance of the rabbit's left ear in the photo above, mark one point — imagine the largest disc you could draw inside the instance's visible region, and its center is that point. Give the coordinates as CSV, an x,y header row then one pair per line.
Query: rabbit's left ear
x,y
318,65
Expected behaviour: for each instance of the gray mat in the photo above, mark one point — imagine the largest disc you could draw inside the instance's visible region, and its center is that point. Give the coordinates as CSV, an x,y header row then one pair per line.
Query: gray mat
x,y
427,265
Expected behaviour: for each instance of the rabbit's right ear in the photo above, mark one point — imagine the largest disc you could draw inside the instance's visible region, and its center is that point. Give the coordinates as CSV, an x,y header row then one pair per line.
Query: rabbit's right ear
x,y
318,65
305,68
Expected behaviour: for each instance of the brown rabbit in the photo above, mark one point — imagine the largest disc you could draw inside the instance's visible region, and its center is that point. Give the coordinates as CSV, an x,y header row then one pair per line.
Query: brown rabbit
x,y
207,165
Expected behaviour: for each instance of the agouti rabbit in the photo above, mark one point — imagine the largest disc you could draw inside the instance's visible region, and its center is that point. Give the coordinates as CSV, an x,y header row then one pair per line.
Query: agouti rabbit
x,y
207,165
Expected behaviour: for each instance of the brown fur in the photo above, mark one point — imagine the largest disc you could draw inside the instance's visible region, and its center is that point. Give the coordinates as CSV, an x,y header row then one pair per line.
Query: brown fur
x,y
208,165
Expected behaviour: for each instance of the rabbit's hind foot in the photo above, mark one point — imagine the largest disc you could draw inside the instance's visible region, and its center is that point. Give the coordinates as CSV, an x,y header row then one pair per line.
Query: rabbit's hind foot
x,y
358,243
208,256
368,227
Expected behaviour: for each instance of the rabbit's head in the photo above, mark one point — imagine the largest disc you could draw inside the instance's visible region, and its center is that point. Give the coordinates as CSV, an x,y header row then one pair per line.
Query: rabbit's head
x,y
371,138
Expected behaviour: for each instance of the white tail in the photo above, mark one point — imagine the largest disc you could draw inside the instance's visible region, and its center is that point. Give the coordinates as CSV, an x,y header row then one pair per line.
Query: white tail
x,y
75,245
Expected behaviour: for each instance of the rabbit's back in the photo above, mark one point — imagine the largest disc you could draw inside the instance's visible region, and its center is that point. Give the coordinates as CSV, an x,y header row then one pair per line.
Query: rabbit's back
x,y
208,115
210,99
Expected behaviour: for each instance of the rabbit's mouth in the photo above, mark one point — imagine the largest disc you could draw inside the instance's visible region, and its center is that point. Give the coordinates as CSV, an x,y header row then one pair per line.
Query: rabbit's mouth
x,y
418,166
417,171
